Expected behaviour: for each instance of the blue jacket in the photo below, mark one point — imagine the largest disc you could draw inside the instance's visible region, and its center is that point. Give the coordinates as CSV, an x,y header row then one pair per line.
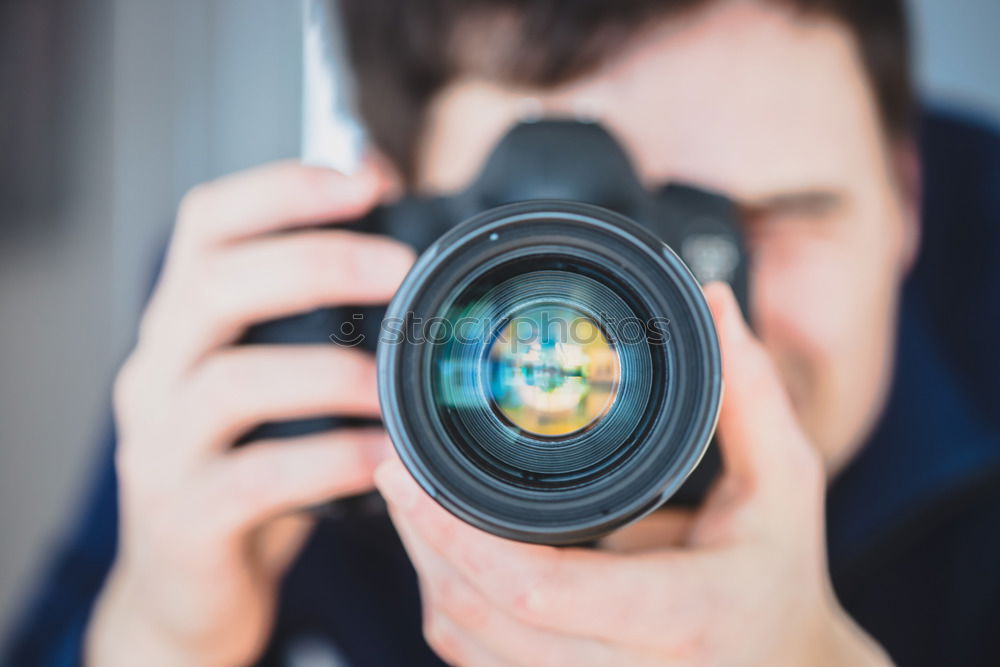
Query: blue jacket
x,y
913,522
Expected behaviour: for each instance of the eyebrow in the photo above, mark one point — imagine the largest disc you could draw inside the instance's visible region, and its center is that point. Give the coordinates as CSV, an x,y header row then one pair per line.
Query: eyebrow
x,y
813,202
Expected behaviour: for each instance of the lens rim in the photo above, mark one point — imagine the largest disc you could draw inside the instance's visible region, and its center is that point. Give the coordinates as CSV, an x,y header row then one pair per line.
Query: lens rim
x,y
640,262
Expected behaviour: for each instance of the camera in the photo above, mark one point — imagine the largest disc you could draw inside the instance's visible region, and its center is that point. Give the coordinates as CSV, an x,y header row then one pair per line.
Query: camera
x,y
549,370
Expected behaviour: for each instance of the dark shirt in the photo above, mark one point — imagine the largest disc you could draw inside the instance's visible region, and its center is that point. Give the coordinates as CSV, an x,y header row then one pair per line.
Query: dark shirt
x,y
913,522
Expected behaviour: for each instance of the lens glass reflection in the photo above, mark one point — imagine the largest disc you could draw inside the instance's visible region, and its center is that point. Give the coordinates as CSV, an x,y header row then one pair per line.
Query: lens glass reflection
x,y
552,371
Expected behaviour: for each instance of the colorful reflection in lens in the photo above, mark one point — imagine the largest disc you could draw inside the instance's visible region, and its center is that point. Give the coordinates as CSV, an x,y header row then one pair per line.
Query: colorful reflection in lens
x,y
552,371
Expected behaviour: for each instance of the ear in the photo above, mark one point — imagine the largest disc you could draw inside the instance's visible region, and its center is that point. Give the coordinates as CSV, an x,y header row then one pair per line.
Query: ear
x,y
909,183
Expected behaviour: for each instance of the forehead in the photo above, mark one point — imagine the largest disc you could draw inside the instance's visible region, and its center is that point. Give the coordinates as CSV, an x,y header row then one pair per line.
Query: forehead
x,y
743,96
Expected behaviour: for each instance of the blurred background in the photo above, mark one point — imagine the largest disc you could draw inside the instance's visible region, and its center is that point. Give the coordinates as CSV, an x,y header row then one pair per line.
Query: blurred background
x,y
109,111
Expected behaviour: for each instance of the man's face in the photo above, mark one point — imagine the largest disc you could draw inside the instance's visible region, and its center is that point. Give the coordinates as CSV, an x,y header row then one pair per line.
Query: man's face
x,y
775,111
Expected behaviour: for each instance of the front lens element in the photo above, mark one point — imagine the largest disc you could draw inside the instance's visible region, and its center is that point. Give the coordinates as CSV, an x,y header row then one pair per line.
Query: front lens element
x,y
537,383
552,371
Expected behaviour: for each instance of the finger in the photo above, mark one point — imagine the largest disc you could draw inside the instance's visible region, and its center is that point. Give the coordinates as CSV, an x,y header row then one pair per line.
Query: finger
x,y
456,647
267,479
643,599
215,301
470,618
242,387
762,443
278,541
667,527
270,198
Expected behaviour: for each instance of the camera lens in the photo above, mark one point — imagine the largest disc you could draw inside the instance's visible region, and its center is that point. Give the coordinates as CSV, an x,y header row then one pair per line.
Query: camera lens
x,y
549,371
552,371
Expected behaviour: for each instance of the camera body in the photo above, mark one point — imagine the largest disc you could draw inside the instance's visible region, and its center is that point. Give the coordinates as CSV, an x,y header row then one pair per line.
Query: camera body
x,y
554,198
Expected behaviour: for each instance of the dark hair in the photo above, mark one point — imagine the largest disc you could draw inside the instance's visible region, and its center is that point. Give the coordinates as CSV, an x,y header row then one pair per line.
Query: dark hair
x,y
403,52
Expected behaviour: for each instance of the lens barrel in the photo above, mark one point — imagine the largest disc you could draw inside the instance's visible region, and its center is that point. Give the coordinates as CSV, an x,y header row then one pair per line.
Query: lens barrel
x,y
549,371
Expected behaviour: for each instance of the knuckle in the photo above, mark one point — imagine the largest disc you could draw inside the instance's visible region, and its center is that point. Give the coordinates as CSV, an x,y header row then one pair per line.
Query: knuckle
x,y
135,403
193,205
210,287
533,596
148,322
691,645
455,599
125,385
234,497
139,482
216,382
445,535
209,276
446,596
526,600
439,638
529,604
694,624
243,484
126,465
694,649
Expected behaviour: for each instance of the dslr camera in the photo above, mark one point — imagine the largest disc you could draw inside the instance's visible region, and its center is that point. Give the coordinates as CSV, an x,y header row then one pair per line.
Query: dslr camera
x,y
549,369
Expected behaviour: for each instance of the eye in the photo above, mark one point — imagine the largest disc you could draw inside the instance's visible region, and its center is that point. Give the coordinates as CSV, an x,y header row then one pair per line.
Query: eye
x,y
807,210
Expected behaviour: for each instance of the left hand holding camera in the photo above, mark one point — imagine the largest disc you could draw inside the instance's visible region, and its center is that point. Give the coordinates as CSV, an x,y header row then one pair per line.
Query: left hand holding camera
x,y
746,584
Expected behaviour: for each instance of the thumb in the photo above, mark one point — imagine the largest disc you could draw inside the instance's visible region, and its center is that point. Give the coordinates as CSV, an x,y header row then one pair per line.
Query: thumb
x,y
762,444
278,541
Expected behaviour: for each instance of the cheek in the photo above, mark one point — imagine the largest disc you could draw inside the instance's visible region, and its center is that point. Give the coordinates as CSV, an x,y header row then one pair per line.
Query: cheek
x,y
823,306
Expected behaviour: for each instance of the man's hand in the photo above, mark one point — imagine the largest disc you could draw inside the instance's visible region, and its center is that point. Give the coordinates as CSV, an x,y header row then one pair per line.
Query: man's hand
x,y
206,531
747,585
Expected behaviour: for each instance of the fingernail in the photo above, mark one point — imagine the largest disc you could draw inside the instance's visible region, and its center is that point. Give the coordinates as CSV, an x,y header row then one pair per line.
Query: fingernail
x,y
396,485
